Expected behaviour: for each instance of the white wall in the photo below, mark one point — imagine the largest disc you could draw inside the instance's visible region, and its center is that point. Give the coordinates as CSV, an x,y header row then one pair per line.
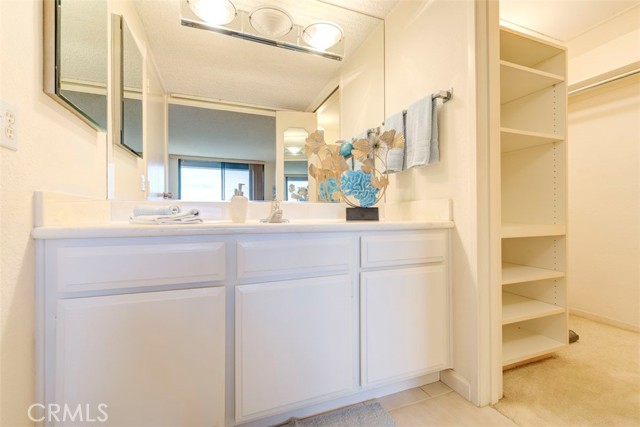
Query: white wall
x,y
604,203
603,177
609,46
429,46
56,152
361,87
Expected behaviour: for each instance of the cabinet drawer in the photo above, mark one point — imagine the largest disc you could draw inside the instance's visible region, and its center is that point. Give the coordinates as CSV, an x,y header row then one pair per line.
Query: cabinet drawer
x,y
419,247
281,257
91,268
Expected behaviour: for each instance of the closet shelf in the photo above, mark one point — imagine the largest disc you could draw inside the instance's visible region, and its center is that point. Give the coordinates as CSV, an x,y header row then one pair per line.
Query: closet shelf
x,y
525,50
516,308
520,344
515,139
516,273
517,81
510,231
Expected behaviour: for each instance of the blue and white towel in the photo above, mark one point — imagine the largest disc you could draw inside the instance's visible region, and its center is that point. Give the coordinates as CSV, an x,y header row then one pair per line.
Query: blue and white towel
x,y
422,133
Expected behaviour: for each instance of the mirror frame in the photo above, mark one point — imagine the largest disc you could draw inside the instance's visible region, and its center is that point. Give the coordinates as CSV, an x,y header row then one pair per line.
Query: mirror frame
x,y
51,63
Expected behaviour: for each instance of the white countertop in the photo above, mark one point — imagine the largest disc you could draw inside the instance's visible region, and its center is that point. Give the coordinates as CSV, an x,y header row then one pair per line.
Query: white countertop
x,y
125,229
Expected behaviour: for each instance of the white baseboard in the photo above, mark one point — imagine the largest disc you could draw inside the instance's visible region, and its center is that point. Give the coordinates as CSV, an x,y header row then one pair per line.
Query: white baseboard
x,y
605,320
457,383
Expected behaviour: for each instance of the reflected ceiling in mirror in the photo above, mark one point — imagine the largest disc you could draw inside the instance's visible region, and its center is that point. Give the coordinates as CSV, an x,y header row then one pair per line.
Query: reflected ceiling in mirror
x,y
82,58
206,64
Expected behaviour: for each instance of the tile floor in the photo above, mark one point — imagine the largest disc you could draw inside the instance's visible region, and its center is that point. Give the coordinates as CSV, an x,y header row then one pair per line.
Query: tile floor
x,y
437,405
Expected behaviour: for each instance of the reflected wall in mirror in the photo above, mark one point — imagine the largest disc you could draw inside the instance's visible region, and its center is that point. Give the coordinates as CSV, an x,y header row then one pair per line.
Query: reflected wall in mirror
x,y
76,57
132,74
211,151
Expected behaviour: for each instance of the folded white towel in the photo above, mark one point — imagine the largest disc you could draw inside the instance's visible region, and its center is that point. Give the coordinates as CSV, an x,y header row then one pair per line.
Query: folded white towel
x,y
156,210
188,217
422,133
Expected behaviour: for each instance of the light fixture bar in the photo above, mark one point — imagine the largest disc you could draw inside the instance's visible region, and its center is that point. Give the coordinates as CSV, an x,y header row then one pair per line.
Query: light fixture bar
x,y
258,39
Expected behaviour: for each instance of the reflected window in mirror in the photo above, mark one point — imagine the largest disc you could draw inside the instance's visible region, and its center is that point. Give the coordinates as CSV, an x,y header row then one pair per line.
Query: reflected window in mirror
x,y
132,74
215,181
224,137
297,189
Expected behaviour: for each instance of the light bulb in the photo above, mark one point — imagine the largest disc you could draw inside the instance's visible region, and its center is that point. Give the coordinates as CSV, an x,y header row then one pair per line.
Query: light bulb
x,y
215,12
322,35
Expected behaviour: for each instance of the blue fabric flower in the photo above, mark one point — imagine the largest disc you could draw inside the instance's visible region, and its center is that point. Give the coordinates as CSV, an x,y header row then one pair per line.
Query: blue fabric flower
x,y
357,184
345,149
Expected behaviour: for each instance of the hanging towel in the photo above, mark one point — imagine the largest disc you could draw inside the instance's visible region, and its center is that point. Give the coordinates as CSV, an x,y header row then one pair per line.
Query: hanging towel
x,y
188,217
396,155
156,210
422,133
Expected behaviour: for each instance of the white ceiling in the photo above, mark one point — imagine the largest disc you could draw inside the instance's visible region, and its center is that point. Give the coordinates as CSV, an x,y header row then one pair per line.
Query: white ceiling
x,y
206,64
562,20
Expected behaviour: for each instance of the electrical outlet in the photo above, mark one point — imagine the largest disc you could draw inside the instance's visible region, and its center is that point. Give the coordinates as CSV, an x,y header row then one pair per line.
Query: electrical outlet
x,y
143,184
8,127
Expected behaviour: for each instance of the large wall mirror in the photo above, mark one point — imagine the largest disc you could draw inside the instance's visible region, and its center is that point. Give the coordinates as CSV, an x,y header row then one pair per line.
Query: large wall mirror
x,y
224,93
76,57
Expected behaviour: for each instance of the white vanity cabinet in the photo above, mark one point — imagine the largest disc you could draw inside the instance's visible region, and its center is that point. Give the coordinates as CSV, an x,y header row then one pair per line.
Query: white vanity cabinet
x,y
404,308
134,329
216,327
141,355
294,344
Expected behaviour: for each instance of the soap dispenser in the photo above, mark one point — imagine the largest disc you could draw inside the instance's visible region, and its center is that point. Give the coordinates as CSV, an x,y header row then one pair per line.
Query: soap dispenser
x,y
238,206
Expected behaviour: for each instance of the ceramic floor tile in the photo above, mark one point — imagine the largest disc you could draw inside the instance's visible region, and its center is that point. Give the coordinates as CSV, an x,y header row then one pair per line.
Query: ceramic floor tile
x,y
404,398
449,410
436,389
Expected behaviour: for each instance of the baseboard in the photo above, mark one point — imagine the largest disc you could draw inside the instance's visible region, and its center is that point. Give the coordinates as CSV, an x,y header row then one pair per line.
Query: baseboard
x,y
605,320
457,383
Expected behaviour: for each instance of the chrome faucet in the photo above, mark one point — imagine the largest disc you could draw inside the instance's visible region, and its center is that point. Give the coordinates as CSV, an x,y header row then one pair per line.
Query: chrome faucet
x,y
275,216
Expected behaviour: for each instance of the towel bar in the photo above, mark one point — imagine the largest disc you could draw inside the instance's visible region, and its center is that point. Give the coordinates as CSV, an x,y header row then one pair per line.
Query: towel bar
x,y
446,95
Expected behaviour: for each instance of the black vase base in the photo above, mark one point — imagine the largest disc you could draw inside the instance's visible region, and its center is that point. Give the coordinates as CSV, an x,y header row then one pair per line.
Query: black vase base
x,y
362,214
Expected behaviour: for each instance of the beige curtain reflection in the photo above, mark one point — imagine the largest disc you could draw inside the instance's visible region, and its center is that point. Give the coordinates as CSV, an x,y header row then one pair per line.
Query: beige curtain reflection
x,y
256,176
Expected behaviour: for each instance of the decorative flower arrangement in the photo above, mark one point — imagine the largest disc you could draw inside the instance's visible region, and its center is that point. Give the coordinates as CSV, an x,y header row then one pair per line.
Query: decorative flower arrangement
x,y
300,194
336,181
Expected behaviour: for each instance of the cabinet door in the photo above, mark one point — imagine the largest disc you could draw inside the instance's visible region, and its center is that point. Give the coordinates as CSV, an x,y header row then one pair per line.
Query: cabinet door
x,y
155,359
295,344
405,323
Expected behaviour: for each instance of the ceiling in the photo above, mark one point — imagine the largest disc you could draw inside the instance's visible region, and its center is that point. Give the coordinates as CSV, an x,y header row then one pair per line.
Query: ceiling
x,y
562,20
210,65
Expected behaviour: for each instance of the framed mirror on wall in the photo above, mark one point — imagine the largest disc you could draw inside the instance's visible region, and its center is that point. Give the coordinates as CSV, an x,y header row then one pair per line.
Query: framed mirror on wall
x,y
132,74
76,58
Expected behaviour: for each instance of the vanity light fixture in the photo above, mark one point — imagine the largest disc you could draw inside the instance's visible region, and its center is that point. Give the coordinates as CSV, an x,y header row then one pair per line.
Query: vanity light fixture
x,y
322,35
294,150
271,21
214,12
265,24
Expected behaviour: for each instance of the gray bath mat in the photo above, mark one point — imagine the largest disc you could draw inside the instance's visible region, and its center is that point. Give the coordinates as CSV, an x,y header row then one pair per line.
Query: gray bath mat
x,y
367,414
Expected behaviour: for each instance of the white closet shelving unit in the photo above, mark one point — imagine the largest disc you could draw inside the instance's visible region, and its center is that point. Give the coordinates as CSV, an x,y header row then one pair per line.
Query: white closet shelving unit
x,y
533,98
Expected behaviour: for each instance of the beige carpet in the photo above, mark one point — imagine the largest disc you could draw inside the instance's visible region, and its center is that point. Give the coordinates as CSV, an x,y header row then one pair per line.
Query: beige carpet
x,y
593,382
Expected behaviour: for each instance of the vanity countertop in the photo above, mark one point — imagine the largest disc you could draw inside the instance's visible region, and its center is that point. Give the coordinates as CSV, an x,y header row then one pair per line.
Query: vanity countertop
x,y
125,229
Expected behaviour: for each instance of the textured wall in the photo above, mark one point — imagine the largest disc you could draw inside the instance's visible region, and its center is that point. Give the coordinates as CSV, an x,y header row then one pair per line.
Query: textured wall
x,y
56,152
429,46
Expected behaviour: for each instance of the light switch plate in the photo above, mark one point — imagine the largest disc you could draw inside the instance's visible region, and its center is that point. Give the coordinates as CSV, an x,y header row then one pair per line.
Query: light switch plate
x,y
8,126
